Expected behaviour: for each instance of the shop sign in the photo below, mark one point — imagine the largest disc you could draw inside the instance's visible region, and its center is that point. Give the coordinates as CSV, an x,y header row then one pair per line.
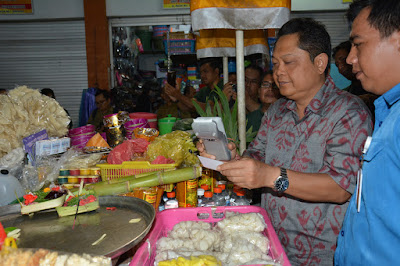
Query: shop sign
x,y
16,7
176,4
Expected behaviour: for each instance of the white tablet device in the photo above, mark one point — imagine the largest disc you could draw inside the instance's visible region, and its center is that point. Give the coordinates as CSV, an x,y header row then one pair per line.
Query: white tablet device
x,y
211,131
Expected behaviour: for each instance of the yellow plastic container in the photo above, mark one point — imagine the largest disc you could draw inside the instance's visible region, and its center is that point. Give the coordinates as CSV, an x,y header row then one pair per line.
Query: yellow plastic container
x,y
73,179
113,171
85,171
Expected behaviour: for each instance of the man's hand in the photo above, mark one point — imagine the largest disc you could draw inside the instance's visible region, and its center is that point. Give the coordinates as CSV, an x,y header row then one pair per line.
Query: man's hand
x,y
227,90
202,149
249,173
172,92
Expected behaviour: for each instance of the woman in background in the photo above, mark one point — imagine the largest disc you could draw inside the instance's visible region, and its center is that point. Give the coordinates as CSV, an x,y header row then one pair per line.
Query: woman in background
x,y
268,93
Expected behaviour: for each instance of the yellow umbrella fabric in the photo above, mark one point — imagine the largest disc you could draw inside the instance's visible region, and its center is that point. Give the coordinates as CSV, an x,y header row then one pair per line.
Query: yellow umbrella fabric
x,y
222,42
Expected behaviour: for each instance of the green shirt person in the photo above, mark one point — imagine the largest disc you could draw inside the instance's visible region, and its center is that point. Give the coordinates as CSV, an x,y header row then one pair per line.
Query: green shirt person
x,y
103,103
268,93
210,76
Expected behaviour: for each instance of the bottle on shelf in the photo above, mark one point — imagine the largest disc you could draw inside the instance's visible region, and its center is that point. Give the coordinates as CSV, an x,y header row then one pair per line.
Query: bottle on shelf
x,y
207,178
208,199
225,194
171,203
219,199
200,197
240,199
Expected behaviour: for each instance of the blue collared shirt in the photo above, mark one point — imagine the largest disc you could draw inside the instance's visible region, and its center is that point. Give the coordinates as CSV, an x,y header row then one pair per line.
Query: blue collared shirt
x,y
372,236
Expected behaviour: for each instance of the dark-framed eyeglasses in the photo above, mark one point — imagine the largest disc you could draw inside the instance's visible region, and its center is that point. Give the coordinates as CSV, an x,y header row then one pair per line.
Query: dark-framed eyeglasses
x,y
266,84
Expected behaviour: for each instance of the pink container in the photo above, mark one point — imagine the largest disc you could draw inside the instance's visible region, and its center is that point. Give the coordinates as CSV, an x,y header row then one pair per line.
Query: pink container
x,y
82,130
166,220
136,122
79,142
83,138
151,118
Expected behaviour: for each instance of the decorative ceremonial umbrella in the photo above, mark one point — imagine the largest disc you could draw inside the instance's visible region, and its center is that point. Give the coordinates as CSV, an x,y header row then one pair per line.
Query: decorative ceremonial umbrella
x,y
245,16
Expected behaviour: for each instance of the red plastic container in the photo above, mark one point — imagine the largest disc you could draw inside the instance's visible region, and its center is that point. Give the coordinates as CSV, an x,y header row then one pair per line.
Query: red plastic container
x,y
151,118
166,220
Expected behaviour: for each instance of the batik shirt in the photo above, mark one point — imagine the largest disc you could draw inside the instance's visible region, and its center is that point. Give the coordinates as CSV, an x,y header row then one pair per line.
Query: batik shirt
x,y
329,140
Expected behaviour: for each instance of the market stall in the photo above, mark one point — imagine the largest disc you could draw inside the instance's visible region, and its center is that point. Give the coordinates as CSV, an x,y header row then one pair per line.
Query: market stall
x,y
83,192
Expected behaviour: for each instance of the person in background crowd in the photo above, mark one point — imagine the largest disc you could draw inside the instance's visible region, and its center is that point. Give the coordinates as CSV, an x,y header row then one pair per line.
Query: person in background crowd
x,y
340,54
189,92
104,107
50,93
306,153
252,77
210,77
268,93
3,91
371,230
232,77
171,107
147,97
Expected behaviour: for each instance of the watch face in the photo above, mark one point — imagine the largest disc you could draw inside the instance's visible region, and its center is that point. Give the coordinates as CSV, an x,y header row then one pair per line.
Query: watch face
x,y
281,184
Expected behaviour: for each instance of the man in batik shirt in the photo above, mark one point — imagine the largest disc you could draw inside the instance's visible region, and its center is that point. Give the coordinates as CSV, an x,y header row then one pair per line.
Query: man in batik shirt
x,y
306,153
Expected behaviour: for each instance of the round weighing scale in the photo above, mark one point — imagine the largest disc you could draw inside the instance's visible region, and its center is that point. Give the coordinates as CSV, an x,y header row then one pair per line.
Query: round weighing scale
x,y
122,227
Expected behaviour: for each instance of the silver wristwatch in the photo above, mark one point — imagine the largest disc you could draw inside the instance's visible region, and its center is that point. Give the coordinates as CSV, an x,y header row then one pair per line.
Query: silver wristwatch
x,y
282,182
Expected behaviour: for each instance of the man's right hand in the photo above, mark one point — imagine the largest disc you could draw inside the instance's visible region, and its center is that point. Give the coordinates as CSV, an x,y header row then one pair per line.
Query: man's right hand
x,y
202,150
227,90
171,91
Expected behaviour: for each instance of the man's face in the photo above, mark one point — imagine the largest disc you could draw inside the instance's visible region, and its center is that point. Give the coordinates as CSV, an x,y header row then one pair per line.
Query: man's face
x,y
208,75
296,76
102,103
343,67
252,82
267,93
375,61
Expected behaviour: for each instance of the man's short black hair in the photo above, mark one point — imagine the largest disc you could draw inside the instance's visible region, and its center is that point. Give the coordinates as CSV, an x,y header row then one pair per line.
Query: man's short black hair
x,y
257,68
106,94
342,46
313,37
384,16
48,92
214,63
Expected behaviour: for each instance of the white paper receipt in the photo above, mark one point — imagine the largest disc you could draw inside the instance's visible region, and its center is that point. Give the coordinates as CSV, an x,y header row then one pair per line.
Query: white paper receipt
x,y
209,163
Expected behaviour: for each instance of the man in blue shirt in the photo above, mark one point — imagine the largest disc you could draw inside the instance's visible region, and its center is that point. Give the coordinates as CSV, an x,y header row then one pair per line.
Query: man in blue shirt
x,y
371,230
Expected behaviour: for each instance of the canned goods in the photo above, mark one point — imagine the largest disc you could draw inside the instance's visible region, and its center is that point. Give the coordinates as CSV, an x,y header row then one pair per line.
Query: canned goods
x,y
91,179
62,180
64,172
95,171
73,180
186,193
111,120
74,172
85,171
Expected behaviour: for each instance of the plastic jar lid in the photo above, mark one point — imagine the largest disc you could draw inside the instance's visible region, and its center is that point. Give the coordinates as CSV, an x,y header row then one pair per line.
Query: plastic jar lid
x,y
240,193
200,192
217,190
208,194
171,194
205,187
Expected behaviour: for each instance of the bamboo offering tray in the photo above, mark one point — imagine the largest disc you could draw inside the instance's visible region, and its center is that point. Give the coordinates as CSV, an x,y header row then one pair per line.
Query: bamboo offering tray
x,y
46,230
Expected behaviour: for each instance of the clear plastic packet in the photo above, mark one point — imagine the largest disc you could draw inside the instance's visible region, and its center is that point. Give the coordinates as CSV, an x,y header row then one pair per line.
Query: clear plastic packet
x,y
27,256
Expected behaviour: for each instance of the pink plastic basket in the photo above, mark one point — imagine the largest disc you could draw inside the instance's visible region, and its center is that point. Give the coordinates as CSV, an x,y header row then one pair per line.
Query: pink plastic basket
x,y
166,220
